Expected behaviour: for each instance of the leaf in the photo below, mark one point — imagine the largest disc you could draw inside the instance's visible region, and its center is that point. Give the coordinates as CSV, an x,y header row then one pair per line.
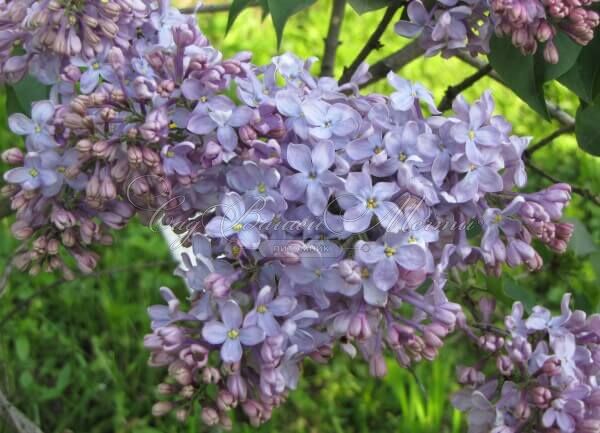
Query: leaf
x,y
516,292
568,52
20,96
584,77
237,6
581,242
518,72
22,348
363,6
282,10
587,132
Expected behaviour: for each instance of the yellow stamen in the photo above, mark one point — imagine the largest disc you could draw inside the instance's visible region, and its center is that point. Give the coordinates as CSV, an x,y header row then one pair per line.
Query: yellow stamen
x,y
238,227
261,309
233,334
371,203
389,251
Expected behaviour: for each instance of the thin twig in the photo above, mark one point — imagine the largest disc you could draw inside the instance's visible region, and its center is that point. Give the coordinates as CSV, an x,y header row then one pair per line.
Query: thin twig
x,y
24,304
555,112
332,41
15,417
453,91
585,193
395,61
373,43
208,9
567,129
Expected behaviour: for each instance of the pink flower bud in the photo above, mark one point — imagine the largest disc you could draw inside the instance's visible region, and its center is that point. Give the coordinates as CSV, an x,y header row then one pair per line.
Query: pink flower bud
x,y
377,366
551,53
209,416
13,156
504,365
162,408
541,397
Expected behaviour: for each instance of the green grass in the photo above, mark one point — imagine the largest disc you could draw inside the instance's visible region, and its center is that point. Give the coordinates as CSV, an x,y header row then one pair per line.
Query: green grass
x,y
71,357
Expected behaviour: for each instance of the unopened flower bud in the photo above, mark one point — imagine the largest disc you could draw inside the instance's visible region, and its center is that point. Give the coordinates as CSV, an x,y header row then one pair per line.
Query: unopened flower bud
x,y
13,156
209,416
162,408
541,397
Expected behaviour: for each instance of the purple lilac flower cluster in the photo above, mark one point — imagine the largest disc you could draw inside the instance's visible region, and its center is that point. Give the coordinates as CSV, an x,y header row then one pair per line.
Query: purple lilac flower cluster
x,y
318,217
449,26
544,373
332,218
112,142
42,36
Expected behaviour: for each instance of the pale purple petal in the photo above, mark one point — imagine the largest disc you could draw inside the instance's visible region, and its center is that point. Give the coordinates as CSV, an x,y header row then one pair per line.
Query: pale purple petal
x,y
411,257
299,157
252,335
231,351
214,332
201,124
231,315
21,124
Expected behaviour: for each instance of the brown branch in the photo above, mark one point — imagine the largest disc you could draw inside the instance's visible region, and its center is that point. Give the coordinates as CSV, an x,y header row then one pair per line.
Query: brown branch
x,y
395,61
208,9
332,41
567,129
585,193
373,43
453,91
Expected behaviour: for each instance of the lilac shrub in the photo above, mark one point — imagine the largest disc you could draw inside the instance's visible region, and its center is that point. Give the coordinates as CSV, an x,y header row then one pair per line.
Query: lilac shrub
x,y
318,217
451,26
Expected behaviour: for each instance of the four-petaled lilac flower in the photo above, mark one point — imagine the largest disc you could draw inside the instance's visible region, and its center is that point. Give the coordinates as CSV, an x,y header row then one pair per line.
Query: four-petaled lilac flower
x,y
97,69
408,94
481,170
495,220
314,178
230,334
362,200
239,220
418,19
259,183
37,129
266,309
60,164
392,250
326,121
223,115
475,129
34,173
175,158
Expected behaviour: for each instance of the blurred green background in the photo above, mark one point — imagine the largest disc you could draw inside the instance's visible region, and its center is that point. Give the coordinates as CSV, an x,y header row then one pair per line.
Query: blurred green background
x,y
71,356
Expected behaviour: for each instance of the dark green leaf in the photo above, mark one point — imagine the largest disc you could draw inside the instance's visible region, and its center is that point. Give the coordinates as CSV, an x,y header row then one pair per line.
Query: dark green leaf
x,y
584,77
237,6
586,127
518,72
20,96
363,6
282,10
568,52
517,292
581,242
